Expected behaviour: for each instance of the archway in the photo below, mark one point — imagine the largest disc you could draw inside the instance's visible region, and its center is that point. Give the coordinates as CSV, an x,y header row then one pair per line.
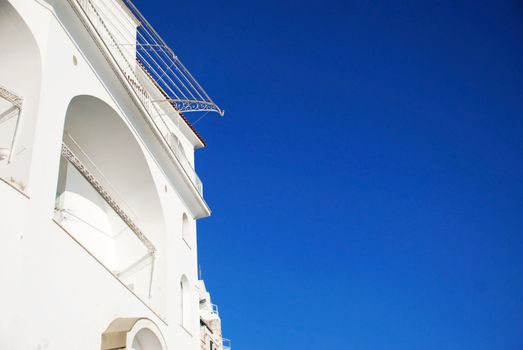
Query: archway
x,y
186,231
107,198
133,334
20,81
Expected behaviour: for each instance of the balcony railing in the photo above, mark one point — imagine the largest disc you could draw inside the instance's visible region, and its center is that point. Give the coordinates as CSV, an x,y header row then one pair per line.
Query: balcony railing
x,y
87,207
215,309
167,70
226,344
161,83
10,109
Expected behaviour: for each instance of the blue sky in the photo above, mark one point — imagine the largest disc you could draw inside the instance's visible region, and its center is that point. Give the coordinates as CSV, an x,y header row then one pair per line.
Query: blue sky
x,y
367,179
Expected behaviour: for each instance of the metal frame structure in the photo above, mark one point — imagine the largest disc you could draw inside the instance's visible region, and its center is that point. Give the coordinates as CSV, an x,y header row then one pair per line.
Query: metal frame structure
x,y
148,57
167,69
158,60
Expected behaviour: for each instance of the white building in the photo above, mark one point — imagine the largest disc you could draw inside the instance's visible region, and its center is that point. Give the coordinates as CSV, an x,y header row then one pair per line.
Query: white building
x,y
210,322
98,193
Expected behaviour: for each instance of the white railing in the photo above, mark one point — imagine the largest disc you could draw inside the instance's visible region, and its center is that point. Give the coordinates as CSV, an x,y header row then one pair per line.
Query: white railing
x,y
215,309
12,110
87,208
11,97
96,184
226,344
167,70
10,114
109,29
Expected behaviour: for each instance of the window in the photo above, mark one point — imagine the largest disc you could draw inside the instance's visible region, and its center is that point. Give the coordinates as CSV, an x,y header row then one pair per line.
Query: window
x,y
185,303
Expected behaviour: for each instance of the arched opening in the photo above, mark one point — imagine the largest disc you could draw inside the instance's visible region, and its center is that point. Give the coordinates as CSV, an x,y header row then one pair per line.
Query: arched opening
x,y
133,334
145,339
186,230
185,303
20,80
107,199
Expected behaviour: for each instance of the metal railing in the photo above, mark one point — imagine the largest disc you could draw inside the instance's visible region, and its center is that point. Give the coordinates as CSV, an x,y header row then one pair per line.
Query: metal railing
x,y
167,70
10,96
13,110
169,81
226,344
79,219
75,161
215,309
10,121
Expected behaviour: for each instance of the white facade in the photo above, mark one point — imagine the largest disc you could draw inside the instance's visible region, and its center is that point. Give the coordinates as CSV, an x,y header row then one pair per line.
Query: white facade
x,y
98,195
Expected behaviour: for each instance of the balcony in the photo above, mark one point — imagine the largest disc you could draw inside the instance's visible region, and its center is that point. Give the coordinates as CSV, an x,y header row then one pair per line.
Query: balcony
x,y
161,84
226,344
20,89
89,212
215,310
107,200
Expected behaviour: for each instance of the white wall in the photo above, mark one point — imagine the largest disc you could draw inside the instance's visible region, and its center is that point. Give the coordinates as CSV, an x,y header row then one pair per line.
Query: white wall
x,y
55,294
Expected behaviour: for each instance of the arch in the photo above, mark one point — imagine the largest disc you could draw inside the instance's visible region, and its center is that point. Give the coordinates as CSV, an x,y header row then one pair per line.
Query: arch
x,y
20,80
145,339
133,333
185,302
108,200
